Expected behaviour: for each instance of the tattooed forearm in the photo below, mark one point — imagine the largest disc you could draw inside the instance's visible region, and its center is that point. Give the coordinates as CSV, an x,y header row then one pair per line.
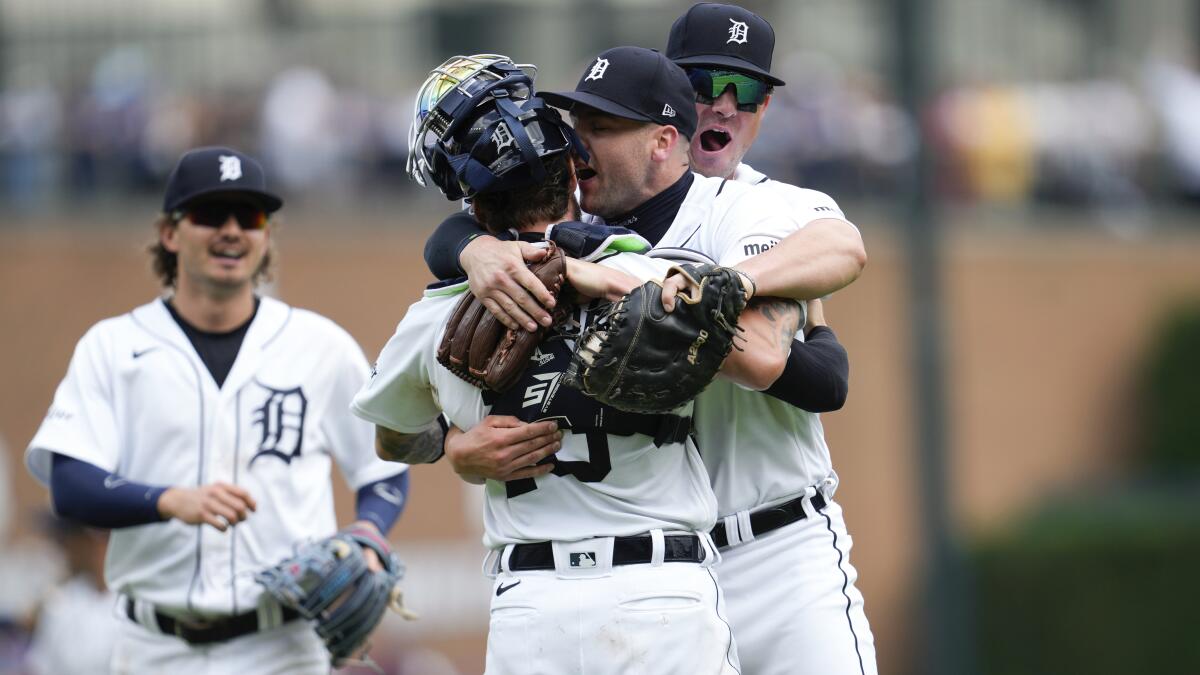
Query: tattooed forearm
x,y
422,447
783,315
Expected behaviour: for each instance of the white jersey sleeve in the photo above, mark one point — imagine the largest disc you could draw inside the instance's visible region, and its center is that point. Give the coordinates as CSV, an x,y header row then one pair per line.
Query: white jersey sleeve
x,y
400,394
82,421
755,217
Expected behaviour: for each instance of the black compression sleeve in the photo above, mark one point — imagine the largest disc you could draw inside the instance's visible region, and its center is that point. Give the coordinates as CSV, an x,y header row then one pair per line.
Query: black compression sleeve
x,y
447,241
817,375
84,492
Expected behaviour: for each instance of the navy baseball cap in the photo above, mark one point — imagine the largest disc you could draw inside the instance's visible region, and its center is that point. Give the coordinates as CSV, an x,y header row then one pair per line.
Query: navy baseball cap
x,y
213,171
724,36
637,84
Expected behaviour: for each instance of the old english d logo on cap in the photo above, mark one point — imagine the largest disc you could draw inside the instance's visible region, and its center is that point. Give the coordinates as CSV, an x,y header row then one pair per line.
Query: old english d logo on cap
x,y
724,37
598,70
645,86
217,172
738,32
231,167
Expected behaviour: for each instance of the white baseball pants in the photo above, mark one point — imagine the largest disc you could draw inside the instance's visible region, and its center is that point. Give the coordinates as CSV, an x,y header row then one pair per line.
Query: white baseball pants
x,y
793,602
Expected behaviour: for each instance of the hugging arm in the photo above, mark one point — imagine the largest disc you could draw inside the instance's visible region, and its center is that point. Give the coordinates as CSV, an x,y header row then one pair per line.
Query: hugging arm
x,y
495,270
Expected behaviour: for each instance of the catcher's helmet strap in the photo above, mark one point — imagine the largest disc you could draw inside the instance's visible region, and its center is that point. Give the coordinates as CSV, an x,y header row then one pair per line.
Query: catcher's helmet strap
x,y
511,114
479,177
456,105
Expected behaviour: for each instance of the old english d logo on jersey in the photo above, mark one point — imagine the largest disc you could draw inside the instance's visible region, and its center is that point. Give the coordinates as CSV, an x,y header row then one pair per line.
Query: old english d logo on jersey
x,y
280,417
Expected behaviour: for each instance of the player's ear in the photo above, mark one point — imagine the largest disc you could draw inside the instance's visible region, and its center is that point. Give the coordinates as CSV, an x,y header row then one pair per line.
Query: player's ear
x,y
762,107
665,142
168,232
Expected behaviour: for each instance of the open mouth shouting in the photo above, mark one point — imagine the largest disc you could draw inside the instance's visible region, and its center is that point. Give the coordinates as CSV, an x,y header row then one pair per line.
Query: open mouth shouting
x,y
714,139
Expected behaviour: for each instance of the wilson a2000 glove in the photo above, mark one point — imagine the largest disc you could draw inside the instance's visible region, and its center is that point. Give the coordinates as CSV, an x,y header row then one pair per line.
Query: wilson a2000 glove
x,y
640,358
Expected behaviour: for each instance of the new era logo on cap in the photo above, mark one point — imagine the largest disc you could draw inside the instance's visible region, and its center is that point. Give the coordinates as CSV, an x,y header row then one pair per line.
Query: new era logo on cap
x,y
645,86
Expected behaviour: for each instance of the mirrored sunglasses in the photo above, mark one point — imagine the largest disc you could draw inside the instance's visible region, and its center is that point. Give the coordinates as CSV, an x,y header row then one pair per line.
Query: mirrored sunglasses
x,y
710,84
248,217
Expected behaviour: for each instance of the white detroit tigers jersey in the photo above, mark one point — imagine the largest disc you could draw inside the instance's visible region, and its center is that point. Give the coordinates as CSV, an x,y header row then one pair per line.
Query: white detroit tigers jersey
x,y
137,401
610,485
757,449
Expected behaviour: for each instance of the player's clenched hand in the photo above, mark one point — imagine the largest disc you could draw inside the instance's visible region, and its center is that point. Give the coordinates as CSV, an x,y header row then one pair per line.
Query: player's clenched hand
x,y
218,504
499,278
503,448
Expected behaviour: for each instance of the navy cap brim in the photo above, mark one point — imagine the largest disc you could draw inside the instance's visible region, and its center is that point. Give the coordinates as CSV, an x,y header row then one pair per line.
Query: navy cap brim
x,y
727,61
568,99
269,202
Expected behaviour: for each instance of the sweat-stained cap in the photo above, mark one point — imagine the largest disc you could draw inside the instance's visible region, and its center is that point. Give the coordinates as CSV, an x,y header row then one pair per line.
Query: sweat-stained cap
x,y
723,36
215,171
634,83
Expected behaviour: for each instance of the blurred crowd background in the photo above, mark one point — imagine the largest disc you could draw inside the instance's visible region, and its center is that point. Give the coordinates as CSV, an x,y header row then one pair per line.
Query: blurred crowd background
x,y
1064,137
1080,102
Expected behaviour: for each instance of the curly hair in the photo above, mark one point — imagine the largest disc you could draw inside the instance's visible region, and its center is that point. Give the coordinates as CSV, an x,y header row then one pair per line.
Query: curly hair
x,y
166,264
514,209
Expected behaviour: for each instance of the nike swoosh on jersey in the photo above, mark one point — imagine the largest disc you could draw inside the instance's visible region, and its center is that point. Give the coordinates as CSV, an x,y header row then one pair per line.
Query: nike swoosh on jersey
x,y
138,355
502,589
113,482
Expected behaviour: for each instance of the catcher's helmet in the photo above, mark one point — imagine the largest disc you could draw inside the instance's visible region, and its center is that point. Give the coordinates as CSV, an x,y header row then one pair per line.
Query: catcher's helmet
x,y
478,127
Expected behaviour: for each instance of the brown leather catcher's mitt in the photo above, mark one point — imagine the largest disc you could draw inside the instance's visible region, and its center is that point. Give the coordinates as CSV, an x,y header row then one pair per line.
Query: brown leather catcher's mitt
x,y
481,350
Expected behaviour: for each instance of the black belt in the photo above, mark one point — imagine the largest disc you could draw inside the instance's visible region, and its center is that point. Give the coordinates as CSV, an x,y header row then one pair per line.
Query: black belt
x,y
635,550
207,632
772,518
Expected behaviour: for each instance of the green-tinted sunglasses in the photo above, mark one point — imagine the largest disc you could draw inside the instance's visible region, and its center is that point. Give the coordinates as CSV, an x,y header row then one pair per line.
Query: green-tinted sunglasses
x,y
710,84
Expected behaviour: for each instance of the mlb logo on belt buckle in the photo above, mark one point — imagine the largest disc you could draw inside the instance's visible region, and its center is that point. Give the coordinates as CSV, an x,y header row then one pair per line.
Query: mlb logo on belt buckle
x,y
584,559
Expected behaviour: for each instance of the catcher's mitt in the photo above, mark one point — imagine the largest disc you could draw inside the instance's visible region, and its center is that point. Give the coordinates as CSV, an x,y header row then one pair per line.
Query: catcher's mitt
x,y
328,581
481,350
639,358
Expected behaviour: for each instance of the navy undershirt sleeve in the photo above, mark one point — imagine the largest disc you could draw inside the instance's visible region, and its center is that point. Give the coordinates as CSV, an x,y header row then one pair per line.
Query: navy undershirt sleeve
x,y
448,241
817,375
90,495
383,501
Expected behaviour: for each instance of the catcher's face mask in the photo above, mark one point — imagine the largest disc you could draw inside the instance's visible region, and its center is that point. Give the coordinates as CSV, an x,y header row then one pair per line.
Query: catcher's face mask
x,y
478,128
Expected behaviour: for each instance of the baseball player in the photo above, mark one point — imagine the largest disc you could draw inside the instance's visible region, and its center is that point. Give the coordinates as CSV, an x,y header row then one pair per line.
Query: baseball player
x,y
766,455
201,428
601,558
785,564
